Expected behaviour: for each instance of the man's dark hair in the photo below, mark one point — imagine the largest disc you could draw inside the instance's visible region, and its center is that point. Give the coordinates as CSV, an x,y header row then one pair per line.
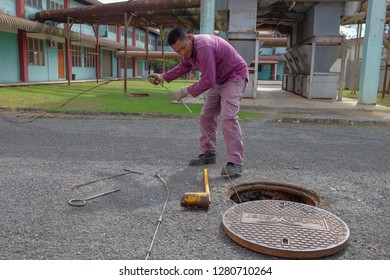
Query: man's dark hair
x,y
176,34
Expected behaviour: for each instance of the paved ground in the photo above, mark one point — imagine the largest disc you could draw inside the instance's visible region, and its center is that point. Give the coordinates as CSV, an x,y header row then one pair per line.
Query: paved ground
x,y
41,162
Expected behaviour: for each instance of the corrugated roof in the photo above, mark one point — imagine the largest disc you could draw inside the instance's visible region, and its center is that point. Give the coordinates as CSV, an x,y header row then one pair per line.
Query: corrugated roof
x,y
36,27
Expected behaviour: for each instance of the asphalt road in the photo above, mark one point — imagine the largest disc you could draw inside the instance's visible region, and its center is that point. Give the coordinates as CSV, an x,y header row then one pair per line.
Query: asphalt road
x,y
41,162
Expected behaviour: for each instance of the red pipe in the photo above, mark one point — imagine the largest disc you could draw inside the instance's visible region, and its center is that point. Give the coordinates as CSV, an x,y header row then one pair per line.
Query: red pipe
x,y
99,13
150,55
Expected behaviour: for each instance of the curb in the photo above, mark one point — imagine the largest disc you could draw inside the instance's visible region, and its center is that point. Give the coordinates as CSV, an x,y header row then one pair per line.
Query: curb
x,y
330,121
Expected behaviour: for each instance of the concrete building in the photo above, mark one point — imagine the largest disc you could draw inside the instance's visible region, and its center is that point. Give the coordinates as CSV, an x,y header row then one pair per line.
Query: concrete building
x,y
47,40
31,51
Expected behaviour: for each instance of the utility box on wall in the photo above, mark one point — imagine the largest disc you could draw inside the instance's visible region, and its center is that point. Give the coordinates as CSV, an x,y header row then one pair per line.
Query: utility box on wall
x,y
322,20
323,86
316,48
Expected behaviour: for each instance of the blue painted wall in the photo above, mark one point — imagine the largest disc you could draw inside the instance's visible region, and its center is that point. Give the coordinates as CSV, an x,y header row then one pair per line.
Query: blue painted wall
x,y
265,70
9,57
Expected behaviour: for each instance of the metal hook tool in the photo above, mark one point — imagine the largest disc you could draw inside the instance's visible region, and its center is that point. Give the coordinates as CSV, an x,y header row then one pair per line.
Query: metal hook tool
x,y
82,202
181,101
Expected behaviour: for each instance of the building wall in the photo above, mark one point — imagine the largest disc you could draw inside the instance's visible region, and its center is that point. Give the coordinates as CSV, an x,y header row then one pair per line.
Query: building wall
x,y
268,71
9,55
48,72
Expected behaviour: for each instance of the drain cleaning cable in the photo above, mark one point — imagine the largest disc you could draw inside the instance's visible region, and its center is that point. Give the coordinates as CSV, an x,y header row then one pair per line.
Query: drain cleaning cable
x,y
114,176
62,105
161,215
212,144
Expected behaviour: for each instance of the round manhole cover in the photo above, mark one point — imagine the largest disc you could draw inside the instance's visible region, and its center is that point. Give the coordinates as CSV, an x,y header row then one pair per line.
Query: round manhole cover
x,y
285,229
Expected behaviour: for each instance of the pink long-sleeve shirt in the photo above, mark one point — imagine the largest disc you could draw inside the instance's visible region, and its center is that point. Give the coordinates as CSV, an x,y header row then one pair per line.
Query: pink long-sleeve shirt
x,y
215,58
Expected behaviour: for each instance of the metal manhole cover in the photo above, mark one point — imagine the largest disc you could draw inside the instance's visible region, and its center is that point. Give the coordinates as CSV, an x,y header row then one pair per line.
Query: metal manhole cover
x,y
285,229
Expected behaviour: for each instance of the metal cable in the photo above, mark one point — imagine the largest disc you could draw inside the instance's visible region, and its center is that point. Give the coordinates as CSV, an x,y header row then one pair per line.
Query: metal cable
x,y
214,145
161,215
62,105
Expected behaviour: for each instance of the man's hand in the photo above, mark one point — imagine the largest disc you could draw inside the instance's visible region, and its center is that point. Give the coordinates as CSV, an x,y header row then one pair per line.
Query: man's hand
x,y
156,79
180,93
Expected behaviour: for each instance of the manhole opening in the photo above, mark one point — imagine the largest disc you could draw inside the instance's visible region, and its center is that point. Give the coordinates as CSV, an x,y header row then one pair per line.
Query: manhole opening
x,y
273,191
138,95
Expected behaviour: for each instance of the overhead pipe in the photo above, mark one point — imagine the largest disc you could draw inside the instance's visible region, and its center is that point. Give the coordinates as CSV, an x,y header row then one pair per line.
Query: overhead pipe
x,y
269,42
149,55
36,27
116,10
271,57
28,25
173,12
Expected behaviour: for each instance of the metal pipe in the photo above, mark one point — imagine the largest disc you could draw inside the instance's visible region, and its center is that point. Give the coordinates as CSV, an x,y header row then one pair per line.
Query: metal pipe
x,y
116,9
311,77
162,48
37,27
150,54
269,42
68,55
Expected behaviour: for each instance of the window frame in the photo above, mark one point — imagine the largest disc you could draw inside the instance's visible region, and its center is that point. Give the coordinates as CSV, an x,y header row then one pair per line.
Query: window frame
x,y
35,52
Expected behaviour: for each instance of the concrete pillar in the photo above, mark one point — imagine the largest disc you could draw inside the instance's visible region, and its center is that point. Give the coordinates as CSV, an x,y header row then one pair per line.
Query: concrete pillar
x,y
207,16
22,44
373,38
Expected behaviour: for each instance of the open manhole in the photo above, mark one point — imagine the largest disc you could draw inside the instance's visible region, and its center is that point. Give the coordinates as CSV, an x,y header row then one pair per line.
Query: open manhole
x,y
273,191
138,95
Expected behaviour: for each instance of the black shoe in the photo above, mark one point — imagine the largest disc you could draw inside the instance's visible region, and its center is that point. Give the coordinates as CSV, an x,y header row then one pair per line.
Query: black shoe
x,y
206,158
231,169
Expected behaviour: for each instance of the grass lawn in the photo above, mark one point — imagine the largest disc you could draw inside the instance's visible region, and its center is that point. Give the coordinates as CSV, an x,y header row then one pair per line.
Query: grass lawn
x,y
99,97
380,101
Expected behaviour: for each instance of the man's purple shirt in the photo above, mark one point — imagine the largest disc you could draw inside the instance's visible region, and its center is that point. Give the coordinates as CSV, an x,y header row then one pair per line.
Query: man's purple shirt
x,y
215,58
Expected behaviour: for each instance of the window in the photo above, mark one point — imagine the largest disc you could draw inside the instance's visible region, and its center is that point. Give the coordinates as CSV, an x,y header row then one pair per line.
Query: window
x,y
51,5
36,55
112,28
89,57
129,63
159,42
152,41
141,38
76,55
34,3
129,33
